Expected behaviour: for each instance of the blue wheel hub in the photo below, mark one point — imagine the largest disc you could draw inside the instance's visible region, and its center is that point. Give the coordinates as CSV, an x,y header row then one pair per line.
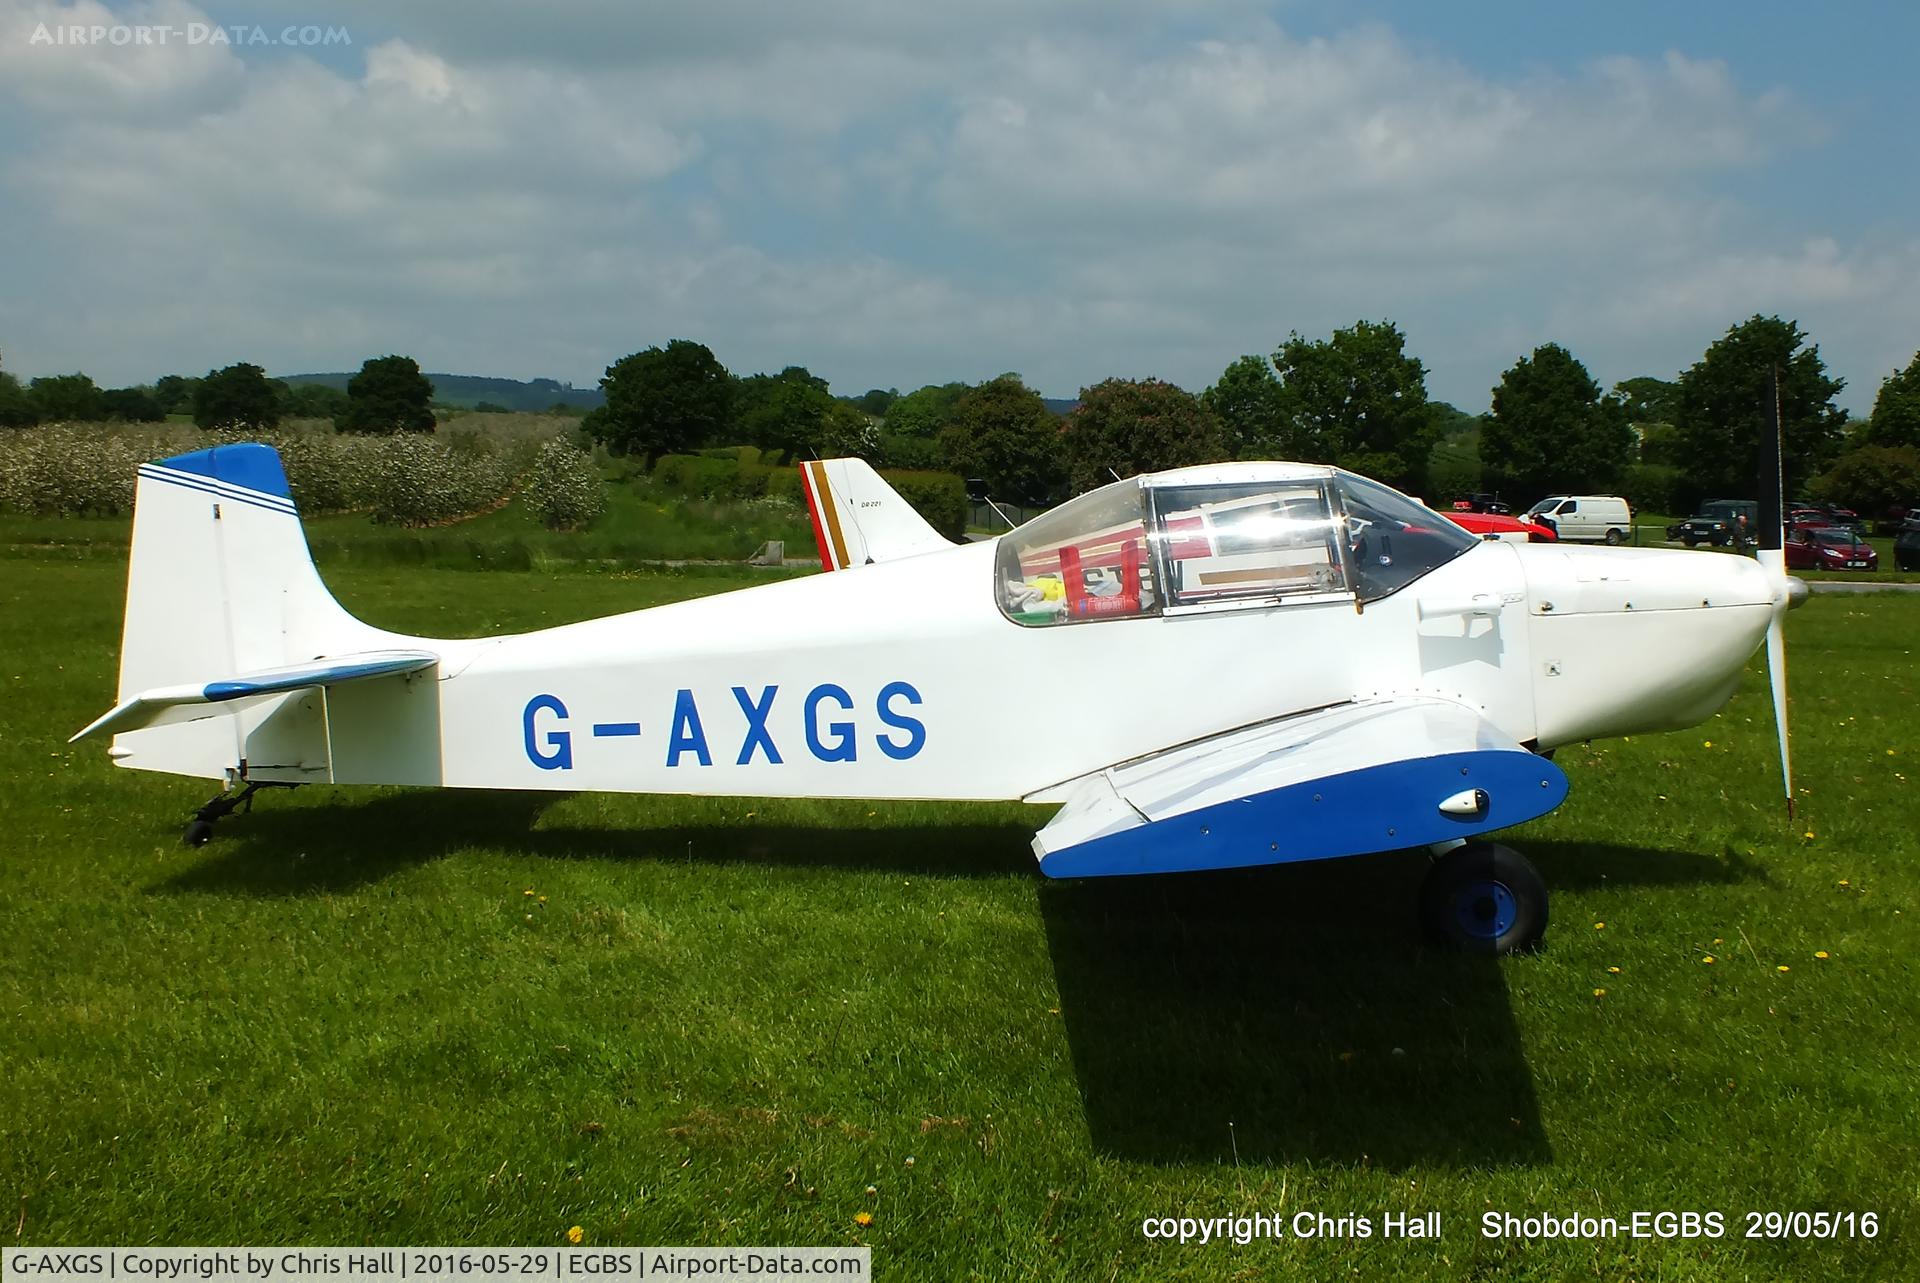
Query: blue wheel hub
x,y
1485,910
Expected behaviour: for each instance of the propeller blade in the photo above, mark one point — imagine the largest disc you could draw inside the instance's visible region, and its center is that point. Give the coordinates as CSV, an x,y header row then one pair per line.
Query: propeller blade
x,y
1772,557
1777,673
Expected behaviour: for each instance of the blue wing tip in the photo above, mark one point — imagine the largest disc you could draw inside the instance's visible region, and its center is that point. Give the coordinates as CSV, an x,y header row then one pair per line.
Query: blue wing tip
x,y
243,463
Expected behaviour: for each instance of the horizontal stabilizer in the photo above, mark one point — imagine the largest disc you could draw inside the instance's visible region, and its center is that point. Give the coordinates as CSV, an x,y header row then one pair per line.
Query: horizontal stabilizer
x,y
165,705
1380,775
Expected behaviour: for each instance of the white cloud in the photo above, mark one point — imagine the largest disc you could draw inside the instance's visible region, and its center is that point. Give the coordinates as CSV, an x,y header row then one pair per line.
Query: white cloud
x,y
85,58
890,193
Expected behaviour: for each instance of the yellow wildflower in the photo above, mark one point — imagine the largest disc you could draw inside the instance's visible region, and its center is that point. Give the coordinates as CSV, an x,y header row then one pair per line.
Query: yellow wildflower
x,y
575,1234
863,1218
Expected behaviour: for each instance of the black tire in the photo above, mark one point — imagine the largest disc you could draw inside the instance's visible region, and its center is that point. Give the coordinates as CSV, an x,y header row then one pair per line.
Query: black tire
x,y
1484,898
1615,538
1688,539
199,833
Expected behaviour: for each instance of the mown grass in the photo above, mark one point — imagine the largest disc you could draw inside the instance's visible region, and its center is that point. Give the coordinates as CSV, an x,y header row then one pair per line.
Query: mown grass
x,y
395,1016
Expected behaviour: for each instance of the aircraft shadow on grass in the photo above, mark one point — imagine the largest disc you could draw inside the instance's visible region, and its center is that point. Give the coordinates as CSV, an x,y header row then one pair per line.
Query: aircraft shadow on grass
x,y
281,850
1281,1014
1292,1014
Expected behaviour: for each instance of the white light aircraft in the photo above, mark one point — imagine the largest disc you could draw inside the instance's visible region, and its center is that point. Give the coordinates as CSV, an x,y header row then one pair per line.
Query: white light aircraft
x,y
1221,666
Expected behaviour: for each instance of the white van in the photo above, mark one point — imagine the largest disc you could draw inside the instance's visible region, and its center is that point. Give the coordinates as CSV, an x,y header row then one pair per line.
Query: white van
x,y
1585,518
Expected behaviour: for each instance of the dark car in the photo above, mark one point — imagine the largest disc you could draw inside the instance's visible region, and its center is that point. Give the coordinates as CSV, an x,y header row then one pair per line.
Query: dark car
x,y
1830,548
1718,523
1483,503
1906,545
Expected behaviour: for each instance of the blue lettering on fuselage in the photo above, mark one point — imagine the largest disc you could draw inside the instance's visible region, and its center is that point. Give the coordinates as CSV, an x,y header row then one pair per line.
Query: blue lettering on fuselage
x,y
843,748
687,734
557,754
915,729
757,734
549,744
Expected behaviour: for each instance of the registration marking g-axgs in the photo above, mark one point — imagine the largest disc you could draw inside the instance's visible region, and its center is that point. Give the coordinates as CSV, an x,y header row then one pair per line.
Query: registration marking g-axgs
x,y
835,726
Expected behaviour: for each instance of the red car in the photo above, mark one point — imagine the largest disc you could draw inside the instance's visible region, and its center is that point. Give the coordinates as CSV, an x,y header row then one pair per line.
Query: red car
x,y
1829,548
1512,529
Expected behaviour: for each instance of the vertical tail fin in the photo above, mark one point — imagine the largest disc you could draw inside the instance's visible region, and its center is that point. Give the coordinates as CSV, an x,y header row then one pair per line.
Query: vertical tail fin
x,y
858,518
219,581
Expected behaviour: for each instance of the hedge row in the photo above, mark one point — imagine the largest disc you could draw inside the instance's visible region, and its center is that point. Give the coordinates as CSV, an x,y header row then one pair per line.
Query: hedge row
x,y
738,473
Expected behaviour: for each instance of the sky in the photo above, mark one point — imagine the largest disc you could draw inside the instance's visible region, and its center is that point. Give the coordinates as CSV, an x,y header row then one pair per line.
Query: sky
x,y
894,193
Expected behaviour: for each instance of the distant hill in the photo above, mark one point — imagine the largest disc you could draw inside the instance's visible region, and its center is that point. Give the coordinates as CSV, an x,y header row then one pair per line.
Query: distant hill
x,y
1062,405
468,390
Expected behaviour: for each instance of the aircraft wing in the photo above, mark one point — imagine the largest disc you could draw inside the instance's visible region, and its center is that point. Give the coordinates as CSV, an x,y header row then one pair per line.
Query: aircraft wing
x,y
1376,775
165,705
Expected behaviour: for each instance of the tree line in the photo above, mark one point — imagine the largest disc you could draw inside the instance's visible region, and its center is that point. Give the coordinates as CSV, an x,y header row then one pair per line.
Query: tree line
x,y
389,394
1356,399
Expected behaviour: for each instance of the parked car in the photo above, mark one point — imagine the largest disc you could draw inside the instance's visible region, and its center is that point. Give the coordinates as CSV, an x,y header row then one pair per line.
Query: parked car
x,y
1719,522
1497,526
1483,503
1906,545
1585,518
1830,548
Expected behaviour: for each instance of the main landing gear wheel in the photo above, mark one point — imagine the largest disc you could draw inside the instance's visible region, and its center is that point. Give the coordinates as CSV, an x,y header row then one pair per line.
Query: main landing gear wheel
x,y
1484,898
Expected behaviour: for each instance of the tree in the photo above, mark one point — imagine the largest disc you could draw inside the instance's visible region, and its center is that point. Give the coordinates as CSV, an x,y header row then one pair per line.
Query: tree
x,y
16,406
388,395
877,401
1873,480
236,397
1003,434
1125,427
67,398
846,430
1359,401
663,401
1251,407
315,401
174,393
1551,431
1722,414
132,405
1648,400
1453,465
786,412
1896,410
923,413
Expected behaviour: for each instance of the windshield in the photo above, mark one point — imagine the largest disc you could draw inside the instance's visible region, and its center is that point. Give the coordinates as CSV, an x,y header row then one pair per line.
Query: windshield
x,y
1838,538
1545,505
1392,539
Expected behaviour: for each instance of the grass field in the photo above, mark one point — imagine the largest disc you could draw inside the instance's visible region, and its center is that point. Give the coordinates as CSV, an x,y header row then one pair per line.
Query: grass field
x,y
394,1016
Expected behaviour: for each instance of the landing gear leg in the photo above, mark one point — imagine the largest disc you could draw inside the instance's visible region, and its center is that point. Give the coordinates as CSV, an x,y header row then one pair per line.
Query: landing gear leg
x,y
1485,898
199,829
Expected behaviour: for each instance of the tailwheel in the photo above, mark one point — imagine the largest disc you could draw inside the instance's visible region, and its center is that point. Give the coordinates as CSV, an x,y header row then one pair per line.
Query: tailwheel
x,y
199,830
1485,898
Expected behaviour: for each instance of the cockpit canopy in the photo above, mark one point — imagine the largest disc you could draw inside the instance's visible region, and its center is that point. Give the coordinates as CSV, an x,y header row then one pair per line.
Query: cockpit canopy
x,y
1219,538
